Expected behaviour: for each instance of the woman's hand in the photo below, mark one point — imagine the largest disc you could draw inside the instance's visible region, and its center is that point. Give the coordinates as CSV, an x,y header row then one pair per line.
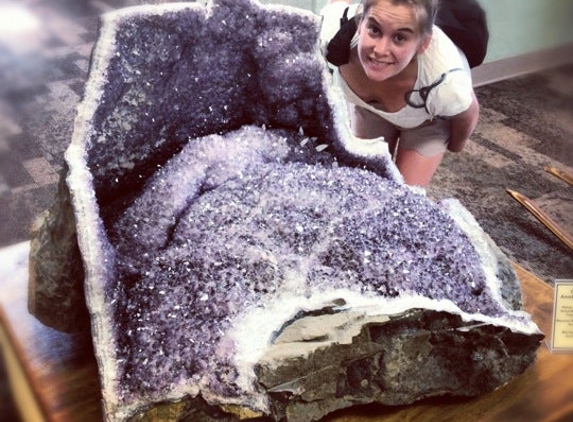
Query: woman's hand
x,y
463,125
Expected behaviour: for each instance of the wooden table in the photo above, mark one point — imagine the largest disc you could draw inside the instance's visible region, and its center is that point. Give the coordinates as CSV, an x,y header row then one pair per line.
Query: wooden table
x,y
54,375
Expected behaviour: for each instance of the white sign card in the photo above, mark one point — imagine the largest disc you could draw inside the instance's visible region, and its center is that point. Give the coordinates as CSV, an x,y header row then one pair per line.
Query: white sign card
x,y
562,338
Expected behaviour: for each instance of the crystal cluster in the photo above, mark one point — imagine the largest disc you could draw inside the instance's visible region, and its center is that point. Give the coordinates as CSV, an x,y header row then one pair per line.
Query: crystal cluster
x,y
244,254
187,71
195,249
222,228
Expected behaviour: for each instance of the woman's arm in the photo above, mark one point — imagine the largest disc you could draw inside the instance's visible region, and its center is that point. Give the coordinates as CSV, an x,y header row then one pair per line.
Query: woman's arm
x,y
463,125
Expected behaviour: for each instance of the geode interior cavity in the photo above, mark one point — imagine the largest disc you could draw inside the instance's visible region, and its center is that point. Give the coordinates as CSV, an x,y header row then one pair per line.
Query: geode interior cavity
x,y
245,255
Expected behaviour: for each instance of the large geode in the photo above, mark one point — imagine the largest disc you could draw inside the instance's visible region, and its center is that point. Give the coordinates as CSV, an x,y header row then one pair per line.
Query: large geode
x,y
244,254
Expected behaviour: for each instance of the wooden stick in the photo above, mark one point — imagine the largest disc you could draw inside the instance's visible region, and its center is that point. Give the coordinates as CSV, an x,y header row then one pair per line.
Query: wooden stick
x,y
563,175
543,217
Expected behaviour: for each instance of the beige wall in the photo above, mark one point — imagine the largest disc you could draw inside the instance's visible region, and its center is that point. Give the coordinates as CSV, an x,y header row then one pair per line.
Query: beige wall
x,y
520,27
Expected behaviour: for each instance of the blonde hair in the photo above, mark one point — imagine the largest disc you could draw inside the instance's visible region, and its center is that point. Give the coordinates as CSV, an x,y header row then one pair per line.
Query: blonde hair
x,y
424,10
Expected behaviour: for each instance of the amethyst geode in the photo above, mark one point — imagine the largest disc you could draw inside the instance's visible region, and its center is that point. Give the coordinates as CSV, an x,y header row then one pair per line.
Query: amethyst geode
x,y
244,255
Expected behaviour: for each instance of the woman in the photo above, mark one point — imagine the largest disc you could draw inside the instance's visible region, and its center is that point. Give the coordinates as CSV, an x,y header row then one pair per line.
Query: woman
x,y
405,80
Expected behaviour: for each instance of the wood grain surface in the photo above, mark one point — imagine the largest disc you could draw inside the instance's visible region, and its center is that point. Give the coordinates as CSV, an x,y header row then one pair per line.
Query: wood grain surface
x,y
60,372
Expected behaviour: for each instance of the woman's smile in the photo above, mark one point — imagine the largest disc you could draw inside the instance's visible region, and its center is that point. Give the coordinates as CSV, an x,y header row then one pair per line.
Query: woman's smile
x,y
380,62
378,68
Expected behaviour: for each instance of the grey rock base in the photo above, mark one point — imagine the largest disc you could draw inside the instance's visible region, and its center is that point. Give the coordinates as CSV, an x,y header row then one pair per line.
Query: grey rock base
x,y
56,294
411,356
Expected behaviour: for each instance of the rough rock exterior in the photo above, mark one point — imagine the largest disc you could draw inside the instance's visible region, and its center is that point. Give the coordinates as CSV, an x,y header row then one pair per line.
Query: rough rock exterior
x,y
55,285
244,255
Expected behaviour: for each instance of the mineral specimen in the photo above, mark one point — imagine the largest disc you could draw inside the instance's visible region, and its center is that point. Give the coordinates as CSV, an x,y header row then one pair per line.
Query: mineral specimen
x,y
245,255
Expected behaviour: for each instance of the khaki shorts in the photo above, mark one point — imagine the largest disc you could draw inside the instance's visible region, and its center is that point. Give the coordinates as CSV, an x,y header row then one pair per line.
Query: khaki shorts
x,y
430,138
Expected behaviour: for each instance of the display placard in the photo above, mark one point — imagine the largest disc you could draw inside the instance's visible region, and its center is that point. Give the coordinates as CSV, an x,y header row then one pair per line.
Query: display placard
x,y
562,339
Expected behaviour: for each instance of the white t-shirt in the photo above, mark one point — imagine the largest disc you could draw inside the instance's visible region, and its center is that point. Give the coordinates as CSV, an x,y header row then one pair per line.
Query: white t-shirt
x,y
451,97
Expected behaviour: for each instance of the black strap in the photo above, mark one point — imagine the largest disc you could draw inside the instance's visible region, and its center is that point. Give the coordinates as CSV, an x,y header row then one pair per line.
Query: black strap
x,y
338,49
424,92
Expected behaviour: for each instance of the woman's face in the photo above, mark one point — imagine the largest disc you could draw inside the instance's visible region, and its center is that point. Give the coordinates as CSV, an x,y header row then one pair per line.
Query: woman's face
x,y
389,38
